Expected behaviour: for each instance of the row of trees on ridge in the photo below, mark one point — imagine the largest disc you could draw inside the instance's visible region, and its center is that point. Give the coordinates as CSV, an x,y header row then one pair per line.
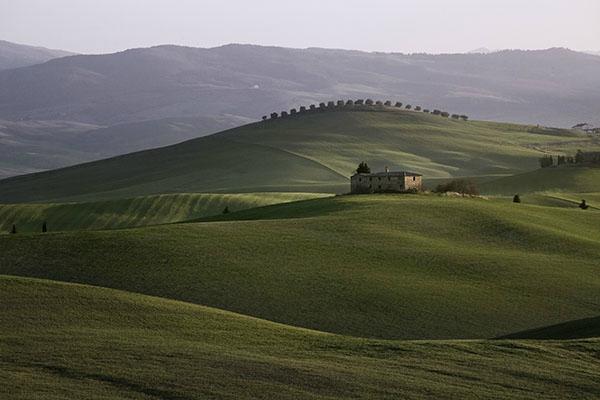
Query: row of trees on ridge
x,y
360,104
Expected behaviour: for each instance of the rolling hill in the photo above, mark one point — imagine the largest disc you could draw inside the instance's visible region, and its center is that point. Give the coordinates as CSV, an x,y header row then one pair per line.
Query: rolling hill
x,y
555,87
381,266
133,212
13,55
119,345
567,179
31,146
579,329
312,152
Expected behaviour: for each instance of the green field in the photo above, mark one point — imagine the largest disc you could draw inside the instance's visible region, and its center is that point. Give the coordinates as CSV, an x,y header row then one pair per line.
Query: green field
x,y
381,266
133,212
306,153
566,180
144,289
65,341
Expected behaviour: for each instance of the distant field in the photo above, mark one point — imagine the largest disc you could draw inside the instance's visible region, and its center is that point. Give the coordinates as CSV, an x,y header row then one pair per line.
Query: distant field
x,y
65,341
133,212
567,180
381,266
306,153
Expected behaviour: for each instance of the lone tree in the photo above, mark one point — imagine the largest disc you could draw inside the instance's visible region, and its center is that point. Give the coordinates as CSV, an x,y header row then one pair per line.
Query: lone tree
x,y
14,229
44,227
398,104
408,107
226,210
264,118
583,205
363,168
517,199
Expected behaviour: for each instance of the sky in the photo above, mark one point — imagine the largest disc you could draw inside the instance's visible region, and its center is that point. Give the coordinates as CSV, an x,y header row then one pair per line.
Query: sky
x,y
432,26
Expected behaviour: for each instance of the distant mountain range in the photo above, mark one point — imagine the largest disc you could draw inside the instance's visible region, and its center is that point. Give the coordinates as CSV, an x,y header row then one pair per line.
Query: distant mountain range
x,y
13,55
235,84
550,87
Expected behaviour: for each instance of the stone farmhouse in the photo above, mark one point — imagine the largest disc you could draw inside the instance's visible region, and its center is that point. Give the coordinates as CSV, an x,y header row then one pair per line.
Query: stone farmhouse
x,y
386,182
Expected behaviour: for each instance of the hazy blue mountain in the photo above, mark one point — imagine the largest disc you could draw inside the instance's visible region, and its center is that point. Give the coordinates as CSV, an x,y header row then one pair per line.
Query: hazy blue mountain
x,y
551,87
13,55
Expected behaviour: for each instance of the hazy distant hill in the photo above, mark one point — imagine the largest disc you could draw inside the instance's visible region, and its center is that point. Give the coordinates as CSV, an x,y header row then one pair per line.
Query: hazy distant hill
x,y
550,87
13,55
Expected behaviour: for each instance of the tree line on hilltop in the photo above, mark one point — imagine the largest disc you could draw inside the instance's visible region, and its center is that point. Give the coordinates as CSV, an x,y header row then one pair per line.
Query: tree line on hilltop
x,y
360,104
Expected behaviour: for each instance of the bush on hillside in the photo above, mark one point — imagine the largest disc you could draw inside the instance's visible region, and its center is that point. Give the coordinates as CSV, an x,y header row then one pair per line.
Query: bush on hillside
x,y
418,108
359,102
408,107
426,111
445,114
302,109
293,111
388,103
379,103
464,117
274,115
350,103
455,116
546,161
517,199
369,102
398,104
284,114
226,210
436,112
363,168
330,104
340,103
312,107
462,186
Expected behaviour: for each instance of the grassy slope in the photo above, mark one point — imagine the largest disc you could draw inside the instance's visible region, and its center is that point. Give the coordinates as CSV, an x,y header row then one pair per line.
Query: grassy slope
x,y
573,180
578,329
117,345
133,212
378,266
312,153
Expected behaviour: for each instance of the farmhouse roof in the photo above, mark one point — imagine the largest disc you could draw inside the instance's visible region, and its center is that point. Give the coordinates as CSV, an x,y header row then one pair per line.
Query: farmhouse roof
x,y
395,173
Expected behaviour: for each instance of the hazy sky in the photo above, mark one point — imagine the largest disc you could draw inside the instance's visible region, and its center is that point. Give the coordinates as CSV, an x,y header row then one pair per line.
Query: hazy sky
x,y
99,26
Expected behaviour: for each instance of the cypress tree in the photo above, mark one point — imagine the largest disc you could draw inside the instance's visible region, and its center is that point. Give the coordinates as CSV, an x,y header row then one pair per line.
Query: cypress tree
x,y
44,227
14,229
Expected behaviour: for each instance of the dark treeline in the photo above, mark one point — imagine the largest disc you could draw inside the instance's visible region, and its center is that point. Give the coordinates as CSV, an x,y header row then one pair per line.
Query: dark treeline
x,y
580,158
360,105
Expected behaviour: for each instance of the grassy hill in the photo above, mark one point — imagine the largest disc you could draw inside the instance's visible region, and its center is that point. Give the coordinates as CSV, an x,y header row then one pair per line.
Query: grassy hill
x,y
119,345
314,152
395,267
133,212
579,329
568,180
